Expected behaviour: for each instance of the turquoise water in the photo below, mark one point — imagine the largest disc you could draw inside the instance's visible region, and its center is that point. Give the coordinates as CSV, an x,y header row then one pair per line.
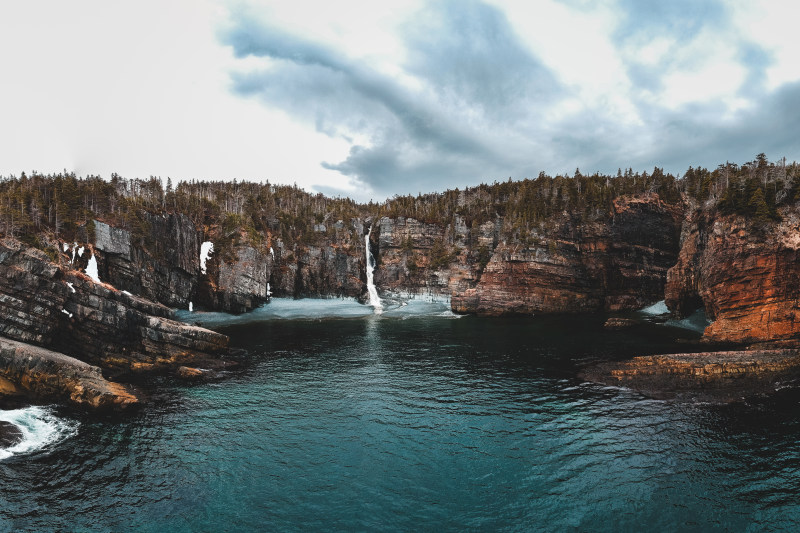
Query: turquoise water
x,y
414,421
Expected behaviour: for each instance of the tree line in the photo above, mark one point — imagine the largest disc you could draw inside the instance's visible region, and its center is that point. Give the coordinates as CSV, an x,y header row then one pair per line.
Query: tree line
x,y
58,204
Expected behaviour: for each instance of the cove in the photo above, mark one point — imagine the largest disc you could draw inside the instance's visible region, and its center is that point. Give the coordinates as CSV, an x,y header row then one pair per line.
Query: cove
x,y
342,420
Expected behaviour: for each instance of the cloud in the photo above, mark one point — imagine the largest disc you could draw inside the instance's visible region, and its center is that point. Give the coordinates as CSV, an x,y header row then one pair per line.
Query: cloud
x,y
472,76
468,100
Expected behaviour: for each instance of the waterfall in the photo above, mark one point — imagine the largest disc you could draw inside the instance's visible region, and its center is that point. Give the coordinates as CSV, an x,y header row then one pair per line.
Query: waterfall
x,y
374,300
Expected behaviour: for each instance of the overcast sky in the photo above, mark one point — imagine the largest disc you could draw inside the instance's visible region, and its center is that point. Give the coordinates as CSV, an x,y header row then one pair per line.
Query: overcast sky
x,y
371,99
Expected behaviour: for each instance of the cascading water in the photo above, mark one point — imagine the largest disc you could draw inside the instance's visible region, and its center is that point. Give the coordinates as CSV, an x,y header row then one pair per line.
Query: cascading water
x,y
374,300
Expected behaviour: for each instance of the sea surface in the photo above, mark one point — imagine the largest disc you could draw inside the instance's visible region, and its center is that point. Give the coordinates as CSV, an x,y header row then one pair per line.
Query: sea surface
x,y
412,420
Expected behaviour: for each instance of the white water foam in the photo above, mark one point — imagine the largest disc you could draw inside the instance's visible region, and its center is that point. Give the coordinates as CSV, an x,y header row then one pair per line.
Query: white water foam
x,y
658,308
91,269
374,299
39,428
321,309
206,249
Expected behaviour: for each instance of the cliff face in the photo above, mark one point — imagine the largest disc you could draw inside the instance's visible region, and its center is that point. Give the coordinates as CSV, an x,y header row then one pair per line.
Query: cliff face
x,y
575,266
239,286
745,274
64,310
415,257
166,272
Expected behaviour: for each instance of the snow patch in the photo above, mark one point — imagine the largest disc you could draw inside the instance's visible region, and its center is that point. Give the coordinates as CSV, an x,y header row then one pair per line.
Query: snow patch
x,y
71,286
206,249
91,270
191,307
272,253
80,251
66,313
66,247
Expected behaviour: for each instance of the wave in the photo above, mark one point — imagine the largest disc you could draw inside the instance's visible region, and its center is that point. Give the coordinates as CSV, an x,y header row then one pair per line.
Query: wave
x,y
39,427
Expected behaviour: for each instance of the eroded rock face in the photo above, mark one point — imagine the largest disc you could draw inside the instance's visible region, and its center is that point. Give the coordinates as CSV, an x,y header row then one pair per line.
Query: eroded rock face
x,y
403,248
66,311
577,266
746,275
44,375
237,287
166,271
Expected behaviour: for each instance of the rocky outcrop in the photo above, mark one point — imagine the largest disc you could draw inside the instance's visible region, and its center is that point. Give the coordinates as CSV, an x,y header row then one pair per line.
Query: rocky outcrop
x,y
617,323
66,311
164,269
709,376
744,273
10,434
43,375
581,266
238,286
329,263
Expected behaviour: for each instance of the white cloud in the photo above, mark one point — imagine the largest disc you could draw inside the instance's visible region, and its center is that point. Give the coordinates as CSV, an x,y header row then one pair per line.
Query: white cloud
x,y
145,88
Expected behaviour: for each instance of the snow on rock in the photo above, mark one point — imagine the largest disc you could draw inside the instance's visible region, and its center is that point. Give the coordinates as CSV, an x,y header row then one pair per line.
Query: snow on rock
x,y
71,287
91,270
206,249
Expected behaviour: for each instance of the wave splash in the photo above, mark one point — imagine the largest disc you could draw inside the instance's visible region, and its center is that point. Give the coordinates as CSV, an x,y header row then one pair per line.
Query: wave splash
x,y
39,428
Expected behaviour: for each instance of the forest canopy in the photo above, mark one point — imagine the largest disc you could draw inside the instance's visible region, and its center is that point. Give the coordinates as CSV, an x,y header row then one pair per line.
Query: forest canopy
x,y
61,203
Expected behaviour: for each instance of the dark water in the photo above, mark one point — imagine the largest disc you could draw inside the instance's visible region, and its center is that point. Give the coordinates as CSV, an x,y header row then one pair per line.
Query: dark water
x,y
417,423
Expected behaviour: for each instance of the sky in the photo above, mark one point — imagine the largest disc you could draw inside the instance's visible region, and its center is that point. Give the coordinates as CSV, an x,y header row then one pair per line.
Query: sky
x,y
372,99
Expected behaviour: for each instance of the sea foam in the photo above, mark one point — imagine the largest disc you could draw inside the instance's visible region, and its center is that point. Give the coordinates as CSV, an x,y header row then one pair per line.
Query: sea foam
x,y
39,427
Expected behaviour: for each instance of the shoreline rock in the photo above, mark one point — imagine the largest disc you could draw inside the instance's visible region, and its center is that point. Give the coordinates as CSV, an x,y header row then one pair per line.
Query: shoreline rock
x,y
719,377
45,375
10,434
66,311
615,323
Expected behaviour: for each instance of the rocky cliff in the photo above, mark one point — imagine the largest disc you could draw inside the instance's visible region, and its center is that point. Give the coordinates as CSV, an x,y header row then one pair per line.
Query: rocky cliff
x,y
164,268
744,272
64,310
575,265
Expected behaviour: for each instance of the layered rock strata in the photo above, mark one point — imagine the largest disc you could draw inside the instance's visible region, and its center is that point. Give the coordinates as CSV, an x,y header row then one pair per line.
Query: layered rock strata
x,y
239,286
43,375
717,376
165,271
744,273
577,266
66,311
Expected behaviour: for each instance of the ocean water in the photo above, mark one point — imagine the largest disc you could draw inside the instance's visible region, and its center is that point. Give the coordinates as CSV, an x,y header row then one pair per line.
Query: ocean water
x,y
414,420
